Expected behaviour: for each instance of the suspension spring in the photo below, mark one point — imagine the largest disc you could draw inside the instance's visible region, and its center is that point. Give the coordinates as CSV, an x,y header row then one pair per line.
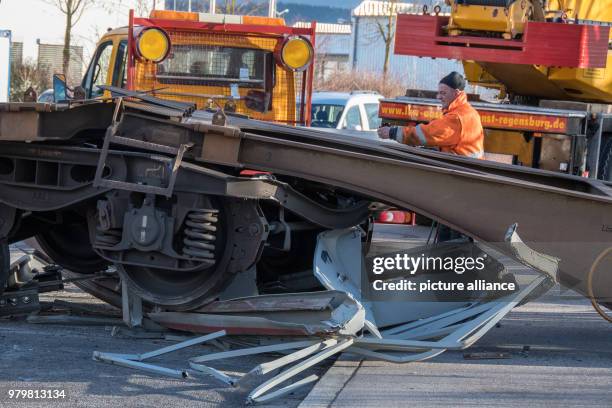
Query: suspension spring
x,y
200,234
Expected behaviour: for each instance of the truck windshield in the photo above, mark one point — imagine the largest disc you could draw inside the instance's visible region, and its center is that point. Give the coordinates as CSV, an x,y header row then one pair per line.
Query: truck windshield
x,y
214,65
326,116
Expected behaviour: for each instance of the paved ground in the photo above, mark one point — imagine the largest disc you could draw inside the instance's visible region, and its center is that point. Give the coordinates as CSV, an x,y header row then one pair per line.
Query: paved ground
x,y
569,363
59,357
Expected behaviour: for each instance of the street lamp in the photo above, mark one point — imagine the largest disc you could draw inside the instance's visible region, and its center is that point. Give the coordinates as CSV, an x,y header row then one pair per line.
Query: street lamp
x,y
272,8
281,13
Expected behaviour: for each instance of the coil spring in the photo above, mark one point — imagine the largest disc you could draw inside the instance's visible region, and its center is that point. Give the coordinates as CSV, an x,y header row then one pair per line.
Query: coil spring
x,y
200,235
108,238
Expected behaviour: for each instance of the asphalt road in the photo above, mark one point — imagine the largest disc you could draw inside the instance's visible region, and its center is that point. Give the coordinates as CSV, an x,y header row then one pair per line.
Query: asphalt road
x,y
559,355
59,357
568,363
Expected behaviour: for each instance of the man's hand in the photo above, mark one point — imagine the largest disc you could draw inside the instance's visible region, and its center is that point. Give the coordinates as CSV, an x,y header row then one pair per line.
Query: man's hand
x,y
383,132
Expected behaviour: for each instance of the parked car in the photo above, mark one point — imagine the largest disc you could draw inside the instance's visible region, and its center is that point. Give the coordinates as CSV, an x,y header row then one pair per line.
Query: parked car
x,y
46,96
357,110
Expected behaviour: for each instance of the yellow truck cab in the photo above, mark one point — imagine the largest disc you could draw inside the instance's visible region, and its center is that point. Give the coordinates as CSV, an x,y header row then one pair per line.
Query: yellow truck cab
x,y
109,63
250,65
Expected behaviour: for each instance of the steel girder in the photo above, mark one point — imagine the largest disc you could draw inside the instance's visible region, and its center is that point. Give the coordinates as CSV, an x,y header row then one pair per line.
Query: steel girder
x,y
566,217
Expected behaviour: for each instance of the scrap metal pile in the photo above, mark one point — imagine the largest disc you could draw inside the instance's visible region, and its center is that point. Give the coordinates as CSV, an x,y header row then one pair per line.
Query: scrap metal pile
x,y
185,204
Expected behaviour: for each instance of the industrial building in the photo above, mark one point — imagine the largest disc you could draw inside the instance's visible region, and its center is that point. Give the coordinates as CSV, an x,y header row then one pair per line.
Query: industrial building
x,y
51,58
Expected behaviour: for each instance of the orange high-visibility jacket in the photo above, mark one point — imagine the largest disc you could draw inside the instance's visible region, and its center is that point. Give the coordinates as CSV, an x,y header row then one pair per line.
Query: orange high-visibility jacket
x,y
459,131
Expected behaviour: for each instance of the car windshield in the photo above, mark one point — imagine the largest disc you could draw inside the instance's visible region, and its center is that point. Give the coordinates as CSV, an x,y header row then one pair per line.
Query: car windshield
x,y
326,116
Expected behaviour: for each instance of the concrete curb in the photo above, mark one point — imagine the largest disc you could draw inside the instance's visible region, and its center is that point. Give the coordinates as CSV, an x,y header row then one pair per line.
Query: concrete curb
x,y
327,389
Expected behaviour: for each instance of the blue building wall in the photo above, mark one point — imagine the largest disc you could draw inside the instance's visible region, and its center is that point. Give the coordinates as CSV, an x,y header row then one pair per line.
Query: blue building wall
x,y
338,44
200,6
368,54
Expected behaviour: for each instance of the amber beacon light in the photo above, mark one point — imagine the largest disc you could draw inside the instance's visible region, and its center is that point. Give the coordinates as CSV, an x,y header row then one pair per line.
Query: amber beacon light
x,y
152,44
296,53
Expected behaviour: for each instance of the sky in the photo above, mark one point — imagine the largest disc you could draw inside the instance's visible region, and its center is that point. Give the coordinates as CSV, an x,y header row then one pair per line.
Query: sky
x,y
38,19
32,19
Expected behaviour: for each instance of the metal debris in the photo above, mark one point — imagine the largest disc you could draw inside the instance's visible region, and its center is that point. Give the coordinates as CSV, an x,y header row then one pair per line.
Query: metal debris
x,y
414,341
135,361
326,323
321,350
296,314
486,356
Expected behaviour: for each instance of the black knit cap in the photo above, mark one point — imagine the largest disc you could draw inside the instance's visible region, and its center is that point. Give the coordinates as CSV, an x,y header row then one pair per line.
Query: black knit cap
x,y
455,80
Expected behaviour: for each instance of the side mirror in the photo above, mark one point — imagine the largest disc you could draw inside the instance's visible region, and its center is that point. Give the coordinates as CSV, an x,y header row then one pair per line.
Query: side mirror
x,y
258,101
59,88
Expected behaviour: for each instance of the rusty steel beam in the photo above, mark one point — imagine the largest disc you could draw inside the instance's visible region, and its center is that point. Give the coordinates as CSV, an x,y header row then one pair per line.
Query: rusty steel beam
x,y
562,216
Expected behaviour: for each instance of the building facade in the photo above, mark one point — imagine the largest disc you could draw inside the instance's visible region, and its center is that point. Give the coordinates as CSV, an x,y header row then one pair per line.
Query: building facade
x,y
51,60
196,6
333,44
16,53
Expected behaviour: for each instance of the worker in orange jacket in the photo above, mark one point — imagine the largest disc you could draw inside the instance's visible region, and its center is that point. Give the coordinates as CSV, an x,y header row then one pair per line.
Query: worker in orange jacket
x,y
458,131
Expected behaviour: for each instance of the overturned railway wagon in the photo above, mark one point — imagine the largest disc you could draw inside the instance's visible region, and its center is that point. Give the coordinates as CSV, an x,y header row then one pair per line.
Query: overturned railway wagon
x,y
181,200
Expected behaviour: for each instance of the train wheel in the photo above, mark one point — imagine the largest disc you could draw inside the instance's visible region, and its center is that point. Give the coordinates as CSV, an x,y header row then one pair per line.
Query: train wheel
x,y
219,239
106,289
5,260
68,245
185,289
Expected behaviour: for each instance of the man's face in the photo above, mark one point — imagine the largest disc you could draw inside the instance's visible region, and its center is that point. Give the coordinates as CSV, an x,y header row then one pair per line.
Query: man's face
x,y
446,95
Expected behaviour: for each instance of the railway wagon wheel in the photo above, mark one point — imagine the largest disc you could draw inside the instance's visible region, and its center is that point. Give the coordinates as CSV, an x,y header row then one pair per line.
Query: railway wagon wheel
x,y
181,252
107,288
68,245
5,260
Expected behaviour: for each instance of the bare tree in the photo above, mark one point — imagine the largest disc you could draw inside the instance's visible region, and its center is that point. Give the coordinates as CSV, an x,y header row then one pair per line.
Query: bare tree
x,y
383,28
321,60
73,10
346,81
144,7
386,30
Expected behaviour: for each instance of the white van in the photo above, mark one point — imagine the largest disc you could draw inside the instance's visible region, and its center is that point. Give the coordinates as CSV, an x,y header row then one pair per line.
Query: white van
x,y
357,110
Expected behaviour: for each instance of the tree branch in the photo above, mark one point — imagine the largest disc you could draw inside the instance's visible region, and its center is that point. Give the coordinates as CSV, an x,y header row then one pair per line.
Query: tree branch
x,y
80,12
381,30
76,6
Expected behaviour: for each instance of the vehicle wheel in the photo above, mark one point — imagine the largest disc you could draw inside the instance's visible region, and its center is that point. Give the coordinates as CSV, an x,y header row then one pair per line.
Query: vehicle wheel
x,y
106,289
605,159
68,245
230,230
5,260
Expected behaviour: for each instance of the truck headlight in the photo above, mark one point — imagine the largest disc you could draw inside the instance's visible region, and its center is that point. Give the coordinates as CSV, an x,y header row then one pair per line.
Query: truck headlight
x,y
296,53
152,44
